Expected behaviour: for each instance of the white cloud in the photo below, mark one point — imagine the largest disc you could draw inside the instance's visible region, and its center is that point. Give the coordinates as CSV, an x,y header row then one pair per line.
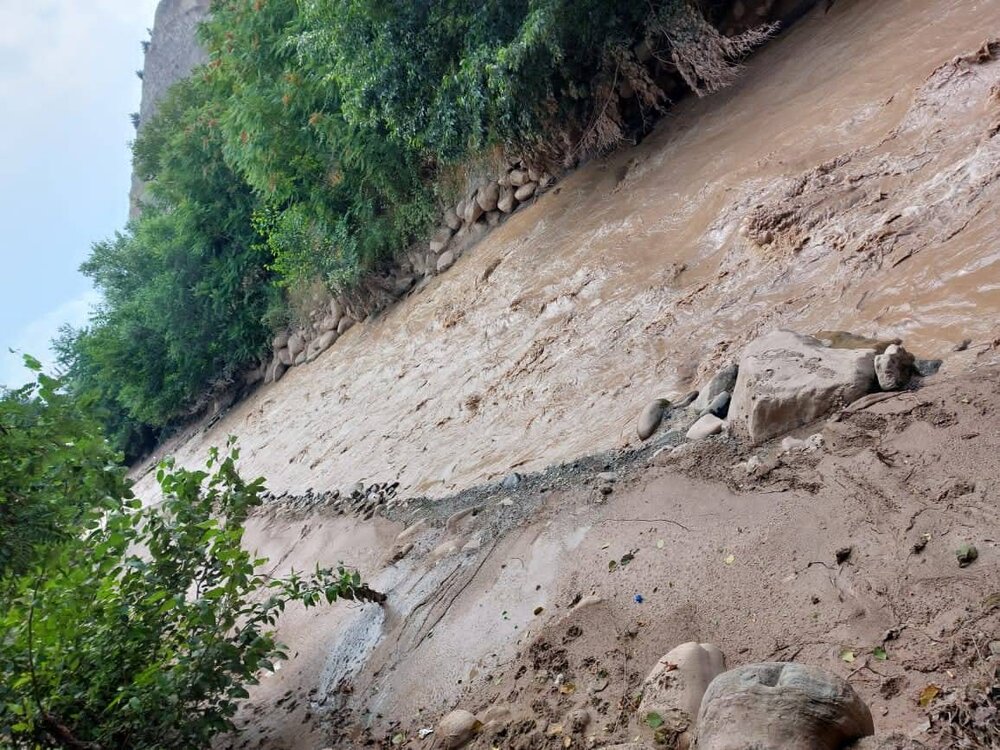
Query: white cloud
x,y
34,338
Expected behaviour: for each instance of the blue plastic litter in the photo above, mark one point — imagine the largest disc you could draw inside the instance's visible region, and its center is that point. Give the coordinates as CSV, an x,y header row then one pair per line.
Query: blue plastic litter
x,y
638,598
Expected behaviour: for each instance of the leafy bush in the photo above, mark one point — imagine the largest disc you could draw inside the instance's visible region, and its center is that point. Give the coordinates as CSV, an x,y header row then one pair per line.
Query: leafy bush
x,y
143,631
55,468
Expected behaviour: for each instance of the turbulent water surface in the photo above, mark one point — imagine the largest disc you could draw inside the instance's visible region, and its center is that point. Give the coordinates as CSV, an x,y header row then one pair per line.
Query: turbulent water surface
x,y
848,181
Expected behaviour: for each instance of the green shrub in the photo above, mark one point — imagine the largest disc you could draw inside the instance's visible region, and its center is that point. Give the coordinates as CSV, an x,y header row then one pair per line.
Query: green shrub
x,y
145,629
55,468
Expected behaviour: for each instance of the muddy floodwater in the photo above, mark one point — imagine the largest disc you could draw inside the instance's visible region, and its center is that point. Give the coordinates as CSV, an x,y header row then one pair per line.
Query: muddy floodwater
x,y
848,181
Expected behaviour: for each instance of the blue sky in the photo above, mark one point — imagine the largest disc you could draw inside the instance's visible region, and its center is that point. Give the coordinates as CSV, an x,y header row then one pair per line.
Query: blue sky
x,y
68,84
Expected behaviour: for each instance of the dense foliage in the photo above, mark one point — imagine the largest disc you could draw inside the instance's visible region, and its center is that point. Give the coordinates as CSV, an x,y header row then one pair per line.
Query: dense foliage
x,y
55,468
322,137
138,627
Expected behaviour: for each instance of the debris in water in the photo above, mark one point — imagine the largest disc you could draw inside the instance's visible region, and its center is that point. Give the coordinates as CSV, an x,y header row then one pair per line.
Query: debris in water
x,y
966,554
928,694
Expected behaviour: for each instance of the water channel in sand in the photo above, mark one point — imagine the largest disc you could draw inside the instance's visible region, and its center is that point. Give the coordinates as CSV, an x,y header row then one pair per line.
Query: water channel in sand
x,y
848,181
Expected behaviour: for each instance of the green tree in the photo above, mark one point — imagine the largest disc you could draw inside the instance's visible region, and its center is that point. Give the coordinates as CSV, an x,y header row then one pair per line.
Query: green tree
x,y
145,629
55,469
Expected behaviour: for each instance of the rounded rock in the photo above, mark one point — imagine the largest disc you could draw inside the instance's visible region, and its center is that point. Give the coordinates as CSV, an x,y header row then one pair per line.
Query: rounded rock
x,y
526,191
457,729
674,688
651,417
781,706
487,196
446,261
296,344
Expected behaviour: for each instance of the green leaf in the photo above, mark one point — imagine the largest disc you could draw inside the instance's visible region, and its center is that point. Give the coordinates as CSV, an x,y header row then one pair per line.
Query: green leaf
x,y
654,720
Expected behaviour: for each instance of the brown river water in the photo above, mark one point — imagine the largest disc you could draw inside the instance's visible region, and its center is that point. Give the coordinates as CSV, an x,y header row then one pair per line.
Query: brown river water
x,y
848,181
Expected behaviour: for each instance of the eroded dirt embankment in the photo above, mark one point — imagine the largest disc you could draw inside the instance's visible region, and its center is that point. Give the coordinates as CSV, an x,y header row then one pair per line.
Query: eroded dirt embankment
x,y
846,182
480,610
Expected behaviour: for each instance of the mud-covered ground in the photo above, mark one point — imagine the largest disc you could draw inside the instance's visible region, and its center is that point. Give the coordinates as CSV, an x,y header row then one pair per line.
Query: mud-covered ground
x,y
746,561
848,181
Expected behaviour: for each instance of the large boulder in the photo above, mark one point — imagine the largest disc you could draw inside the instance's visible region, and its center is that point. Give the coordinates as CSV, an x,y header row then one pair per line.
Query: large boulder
x,y
673,690
345,323
787,380
781,706
285,356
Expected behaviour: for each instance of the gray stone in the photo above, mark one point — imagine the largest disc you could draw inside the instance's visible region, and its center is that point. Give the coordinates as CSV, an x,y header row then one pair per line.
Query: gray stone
x,y
345,323
723,380
296,344
446,261
472,211
651,417
686,400
325,341
280,341
452,219
719,405
511,481
440,239
518,177
336,310
507,202
487,196
456,729
781,706
706,426
274,371
493,218
674,688
284,356
402,284
787,380
926,367
893,368
255,374
300,359
526,191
